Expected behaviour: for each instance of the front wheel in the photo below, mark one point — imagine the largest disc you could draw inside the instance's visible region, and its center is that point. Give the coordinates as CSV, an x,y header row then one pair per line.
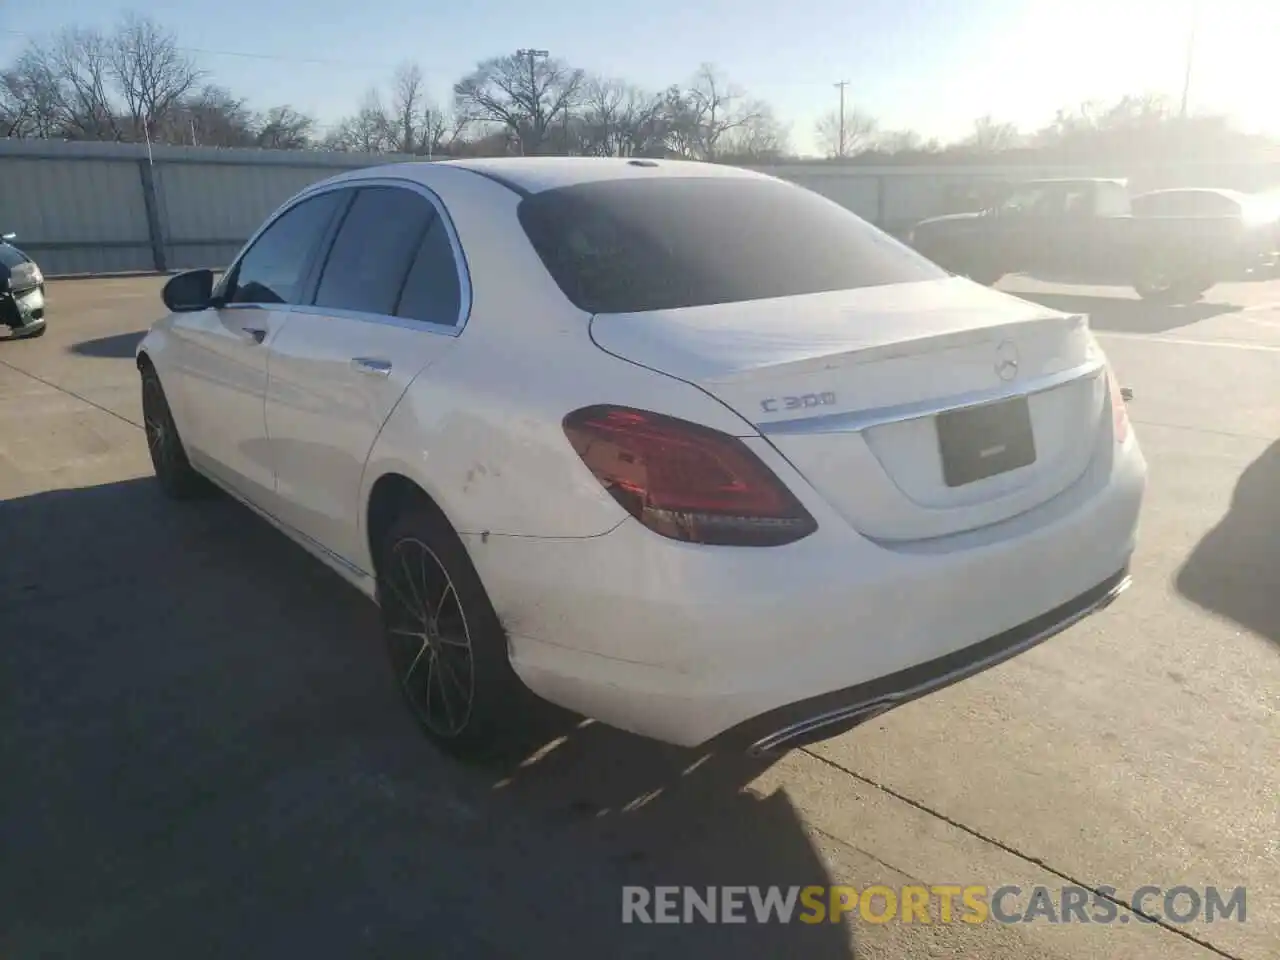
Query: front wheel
x,y
177,478
447,647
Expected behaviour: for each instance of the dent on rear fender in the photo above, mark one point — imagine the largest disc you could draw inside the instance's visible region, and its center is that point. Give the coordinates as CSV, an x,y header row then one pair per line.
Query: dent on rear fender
x,y
488,471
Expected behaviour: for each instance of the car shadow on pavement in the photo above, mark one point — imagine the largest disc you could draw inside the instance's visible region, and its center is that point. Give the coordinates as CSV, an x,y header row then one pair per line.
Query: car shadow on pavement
x,y
119,346
1120,315
1233,570
204,749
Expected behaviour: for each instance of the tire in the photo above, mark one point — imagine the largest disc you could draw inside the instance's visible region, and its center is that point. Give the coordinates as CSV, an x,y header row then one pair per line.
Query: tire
x,y
177,478
1164,282
1176,294
446,645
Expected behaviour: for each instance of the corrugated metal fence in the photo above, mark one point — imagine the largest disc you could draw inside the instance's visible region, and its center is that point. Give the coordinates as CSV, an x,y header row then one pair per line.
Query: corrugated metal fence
x,y
112,207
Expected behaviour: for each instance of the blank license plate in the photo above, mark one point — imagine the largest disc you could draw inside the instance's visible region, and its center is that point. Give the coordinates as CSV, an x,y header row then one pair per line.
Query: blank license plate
x,y
981,442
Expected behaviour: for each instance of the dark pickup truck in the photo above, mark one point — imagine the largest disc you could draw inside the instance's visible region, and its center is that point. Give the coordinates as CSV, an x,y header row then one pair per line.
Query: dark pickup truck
x,y
1085,231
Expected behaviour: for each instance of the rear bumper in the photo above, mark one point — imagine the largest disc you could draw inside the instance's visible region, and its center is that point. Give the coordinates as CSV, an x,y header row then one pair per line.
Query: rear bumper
x,y
833,713
685,644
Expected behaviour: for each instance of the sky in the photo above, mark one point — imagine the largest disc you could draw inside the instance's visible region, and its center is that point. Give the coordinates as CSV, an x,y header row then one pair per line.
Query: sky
x,y
929,65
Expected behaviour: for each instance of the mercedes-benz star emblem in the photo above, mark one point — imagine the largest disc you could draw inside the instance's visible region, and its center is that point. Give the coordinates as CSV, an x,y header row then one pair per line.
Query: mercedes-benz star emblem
x,y
1007,360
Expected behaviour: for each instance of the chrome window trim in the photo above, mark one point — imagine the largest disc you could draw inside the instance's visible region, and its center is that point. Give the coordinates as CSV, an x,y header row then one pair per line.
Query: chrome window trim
x,y
403,323
355,183
855,421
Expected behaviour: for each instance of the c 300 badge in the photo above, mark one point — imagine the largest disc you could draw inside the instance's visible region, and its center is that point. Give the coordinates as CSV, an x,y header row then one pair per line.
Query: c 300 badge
x,y
802,401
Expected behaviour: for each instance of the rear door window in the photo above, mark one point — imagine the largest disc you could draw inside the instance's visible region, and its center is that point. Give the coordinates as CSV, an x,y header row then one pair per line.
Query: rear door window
x,y
374,248
624,246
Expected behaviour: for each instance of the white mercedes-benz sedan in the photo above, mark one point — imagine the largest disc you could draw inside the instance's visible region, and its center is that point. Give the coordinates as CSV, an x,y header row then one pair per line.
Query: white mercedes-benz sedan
x,y
685,448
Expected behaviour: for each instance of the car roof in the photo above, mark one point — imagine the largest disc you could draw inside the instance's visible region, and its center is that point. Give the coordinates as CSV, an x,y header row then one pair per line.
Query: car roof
x,y
1119,181
1222,192
534,174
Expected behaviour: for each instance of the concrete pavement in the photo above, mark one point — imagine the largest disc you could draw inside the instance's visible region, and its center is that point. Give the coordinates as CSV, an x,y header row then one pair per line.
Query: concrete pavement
x,y
203,754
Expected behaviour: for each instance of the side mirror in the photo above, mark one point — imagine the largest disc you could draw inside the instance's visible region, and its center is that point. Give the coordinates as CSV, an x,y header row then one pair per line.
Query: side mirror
x,y
189,291
9,236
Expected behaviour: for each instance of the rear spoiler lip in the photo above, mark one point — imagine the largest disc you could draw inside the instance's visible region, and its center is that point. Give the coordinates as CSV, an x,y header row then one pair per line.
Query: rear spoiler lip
x,y
855,421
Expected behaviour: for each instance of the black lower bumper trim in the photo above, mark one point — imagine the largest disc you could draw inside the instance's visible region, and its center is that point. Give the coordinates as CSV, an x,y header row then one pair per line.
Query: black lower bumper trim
x,y
29,329
830,714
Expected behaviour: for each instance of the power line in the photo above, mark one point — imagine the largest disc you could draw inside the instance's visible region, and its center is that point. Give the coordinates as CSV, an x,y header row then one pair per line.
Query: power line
x,y
284,59
276,57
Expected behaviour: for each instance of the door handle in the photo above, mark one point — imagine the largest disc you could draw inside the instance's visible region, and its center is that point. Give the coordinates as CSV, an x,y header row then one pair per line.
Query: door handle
x,y
256,334
372,366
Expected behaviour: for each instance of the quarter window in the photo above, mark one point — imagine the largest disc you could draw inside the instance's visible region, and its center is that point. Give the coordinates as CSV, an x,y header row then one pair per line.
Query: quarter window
x,y
432,292
274,269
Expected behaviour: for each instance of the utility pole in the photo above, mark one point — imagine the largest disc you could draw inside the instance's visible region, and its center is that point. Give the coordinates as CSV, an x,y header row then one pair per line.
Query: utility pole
x,y
840,146
1191,49
532,56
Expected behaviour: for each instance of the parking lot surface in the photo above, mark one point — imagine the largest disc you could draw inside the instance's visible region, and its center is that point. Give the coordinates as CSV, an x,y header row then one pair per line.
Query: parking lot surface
x,y
202,753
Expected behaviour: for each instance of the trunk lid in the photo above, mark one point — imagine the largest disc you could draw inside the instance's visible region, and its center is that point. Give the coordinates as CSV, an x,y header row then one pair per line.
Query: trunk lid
x,y
916,410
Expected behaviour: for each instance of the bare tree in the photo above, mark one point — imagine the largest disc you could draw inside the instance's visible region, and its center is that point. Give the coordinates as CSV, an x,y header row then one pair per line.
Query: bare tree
x,y
898,141
705,111
369,130
992,136
600,117
525,94
408,107
616,119
284,128
31,101
80,59
421,127
859,128
761,139
211,116
442,132
152,74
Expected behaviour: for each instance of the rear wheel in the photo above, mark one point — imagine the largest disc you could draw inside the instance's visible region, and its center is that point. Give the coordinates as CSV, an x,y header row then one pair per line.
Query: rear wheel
x,y
1161,284
178,479
446,645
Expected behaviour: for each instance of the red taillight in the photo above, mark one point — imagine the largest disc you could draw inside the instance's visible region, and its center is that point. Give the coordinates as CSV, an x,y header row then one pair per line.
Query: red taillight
x,y
1119,412
686,481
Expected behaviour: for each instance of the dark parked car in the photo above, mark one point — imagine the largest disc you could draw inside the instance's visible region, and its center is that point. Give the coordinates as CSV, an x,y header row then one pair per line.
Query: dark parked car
x,y
21,291
1256,220
1085,231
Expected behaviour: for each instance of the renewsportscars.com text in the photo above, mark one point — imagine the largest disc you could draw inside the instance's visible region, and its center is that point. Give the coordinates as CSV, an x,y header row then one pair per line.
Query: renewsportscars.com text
x,y
941,903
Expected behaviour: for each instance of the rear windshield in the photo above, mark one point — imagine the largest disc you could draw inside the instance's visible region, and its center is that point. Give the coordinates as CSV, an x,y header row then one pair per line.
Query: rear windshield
x,y
625,246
